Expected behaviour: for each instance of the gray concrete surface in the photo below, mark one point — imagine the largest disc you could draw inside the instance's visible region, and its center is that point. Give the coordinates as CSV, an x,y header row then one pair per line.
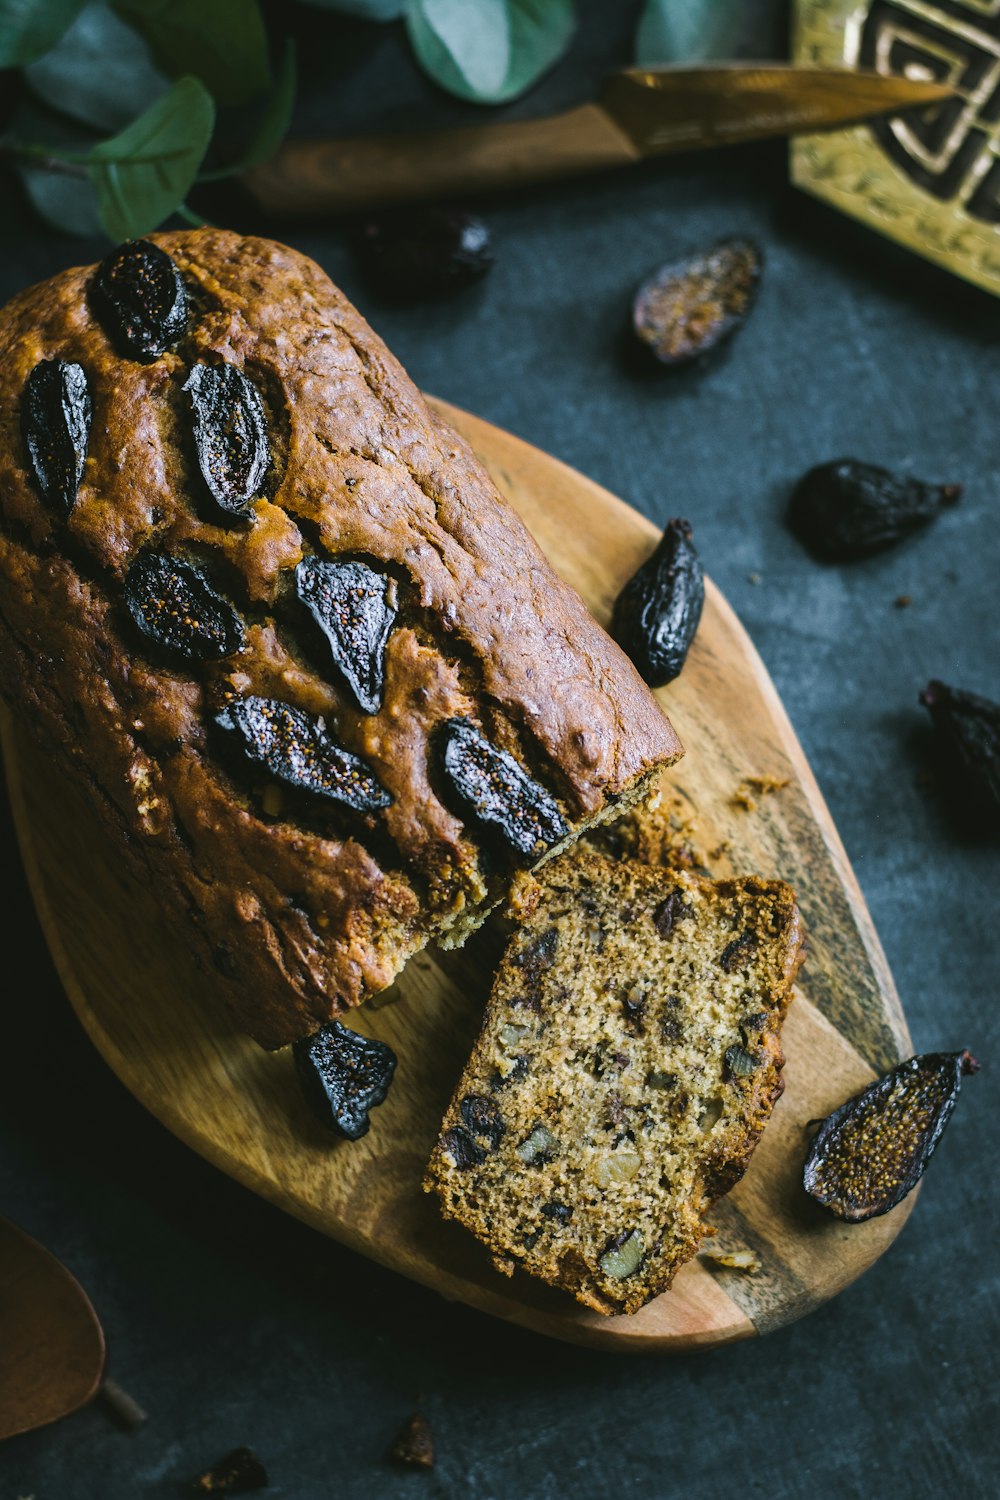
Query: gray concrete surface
x,y
233,1324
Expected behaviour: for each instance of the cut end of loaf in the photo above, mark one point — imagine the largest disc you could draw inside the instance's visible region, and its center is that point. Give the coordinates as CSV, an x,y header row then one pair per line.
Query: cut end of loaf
x,y
628,1062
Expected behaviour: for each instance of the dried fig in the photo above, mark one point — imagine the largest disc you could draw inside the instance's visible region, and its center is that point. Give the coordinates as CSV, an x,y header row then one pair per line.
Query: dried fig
x,y
874,1149
55,424
657,613
848,509
689,307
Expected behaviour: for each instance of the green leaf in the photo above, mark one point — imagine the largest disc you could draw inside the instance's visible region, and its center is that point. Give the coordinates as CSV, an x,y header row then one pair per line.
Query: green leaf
x,y
488,51
365,10
68,203
145,171
59,189
100,72
222,42
28,28
690,31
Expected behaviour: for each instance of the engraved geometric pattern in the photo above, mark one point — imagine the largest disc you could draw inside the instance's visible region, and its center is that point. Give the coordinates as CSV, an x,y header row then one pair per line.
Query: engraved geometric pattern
x,y
929,178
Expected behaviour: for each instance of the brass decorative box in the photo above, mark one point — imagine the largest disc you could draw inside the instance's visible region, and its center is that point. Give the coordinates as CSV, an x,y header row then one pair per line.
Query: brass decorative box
x,y
930,178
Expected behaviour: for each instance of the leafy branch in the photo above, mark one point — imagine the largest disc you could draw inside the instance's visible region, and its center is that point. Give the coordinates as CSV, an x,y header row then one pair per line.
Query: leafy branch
x,y
91,67
125,95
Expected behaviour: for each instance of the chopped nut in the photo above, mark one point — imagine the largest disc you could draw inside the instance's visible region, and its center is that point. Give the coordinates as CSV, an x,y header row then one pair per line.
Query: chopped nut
x,y
739,1063
623,1256
658,1080
540,1146
511,1035
621,1166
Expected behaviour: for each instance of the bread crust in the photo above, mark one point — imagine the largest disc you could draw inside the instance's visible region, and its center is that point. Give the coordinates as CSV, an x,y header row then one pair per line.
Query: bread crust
x,y
305,912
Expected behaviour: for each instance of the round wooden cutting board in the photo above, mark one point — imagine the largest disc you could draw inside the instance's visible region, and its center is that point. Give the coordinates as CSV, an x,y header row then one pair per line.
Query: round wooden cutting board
x,y
144,999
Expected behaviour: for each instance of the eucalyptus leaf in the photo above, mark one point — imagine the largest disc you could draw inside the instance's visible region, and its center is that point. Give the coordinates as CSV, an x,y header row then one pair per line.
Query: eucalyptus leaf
x,y
28,28
221,42
365,10
489,51
100,72
144,172
690,31
67,202
59,188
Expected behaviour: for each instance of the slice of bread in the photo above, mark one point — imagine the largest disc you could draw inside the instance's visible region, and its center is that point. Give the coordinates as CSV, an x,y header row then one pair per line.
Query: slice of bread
x,y
628,1063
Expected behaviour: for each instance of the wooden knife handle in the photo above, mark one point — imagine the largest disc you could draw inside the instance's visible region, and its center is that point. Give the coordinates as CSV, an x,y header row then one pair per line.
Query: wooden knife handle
x,y
328,177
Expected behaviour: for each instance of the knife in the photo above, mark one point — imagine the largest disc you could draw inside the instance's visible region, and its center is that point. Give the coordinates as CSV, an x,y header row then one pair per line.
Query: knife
x,y
641,112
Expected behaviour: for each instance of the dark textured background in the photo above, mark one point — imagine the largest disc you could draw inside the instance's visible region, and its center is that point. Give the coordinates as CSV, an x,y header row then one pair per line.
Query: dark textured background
x,y
232,1323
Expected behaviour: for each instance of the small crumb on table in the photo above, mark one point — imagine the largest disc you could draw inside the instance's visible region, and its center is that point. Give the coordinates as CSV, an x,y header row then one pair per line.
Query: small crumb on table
x,y
762,785
734,1260
413,1444
236,1474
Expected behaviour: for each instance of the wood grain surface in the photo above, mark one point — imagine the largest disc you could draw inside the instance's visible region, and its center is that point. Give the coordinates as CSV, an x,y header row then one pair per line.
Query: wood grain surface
x,y
147,1003
52,1343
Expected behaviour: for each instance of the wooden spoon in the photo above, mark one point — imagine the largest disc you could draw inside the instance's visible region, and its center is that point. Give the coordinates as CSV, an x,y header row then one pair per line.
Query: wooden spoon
x,y
53,1345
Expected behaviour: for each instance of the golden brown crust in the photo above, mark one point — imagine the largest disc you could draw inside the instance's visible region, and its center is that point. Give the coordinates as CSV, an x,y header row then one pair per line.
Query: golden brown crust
x,y
635,1019
305,916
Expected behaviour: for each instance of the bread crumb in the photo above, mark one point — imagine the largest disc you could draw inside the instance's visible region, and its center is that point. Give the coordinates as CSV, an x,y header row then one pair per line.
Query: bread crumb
x,y
413,1444
734,1260
762,785
902,601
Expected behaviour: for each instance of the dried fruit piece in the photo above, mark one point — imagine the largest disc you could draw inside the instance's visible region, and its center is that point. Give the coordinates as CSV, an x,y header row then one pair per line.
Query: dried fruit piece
x,y
738,953
689,307
968,726
140,297
462,1149
874,1149
354,607
176,608
483,1119
296,748
669,912
55,425
657,612
230,433
413,1444
848,509
537,955
425,252
237,1474
497,791
343,1075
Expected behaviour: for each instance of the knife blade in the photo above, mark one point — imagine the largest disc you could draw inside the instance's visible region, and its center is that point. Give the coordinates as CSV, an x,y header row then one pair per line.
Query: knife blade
x,y
641,112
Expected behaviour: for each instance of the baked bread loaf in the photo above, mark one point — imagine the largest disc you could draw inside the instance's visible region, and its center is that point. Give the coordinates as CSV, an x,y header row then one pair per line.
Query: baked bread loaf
x,y
276,615
628,1062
